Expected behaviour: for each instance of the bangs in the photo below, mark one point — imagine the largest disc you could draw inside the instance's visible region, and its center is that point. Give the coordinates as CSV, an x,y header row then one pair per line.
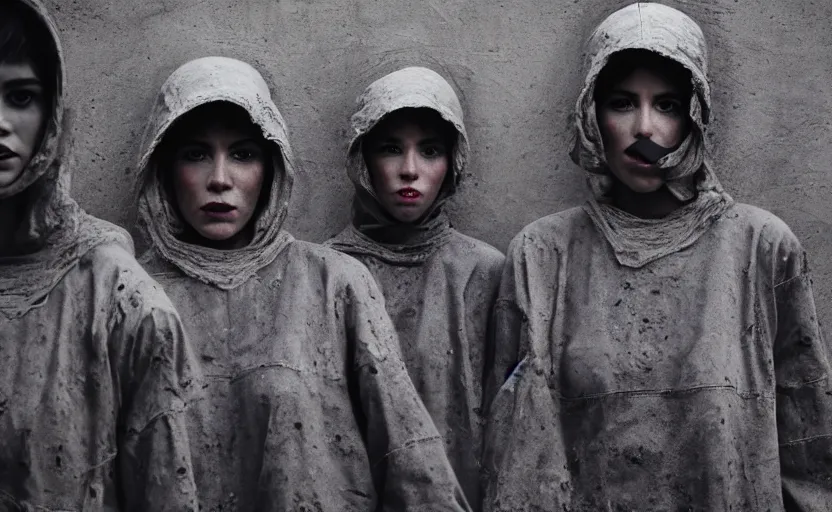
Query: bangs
x,y
25,39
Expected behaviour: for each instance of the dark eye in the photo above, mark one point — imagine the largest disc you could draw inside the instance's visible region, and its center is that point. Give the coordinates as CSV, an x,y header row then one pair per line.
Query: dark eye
x,y
389,149
669,107
620,104
244,155
433,151
20,98
193,154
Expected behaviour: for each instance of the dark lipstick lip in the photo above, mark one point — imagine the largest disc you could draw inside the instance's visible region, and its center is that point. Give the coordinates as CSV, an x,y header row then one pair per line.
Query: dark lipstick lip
x,y
401,192
218,207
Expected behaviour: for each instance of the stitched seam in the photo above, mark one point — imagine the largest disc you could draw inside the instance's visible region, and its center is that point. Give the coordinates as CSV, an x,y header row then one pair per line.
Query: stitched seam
x,y
665,392
806,440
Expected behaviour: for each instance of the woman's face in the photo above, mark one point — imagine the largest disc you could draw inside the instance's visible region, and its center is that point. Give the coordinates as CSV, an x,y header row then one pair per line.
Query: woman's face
x,y
218,173
642,105
407,161
22,119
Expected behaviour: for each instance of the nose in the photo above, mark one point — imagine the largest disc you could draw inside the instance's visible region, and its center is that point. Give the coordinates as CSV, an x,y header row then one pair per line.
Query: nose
x,y
5,121
644,123
220,179
409,169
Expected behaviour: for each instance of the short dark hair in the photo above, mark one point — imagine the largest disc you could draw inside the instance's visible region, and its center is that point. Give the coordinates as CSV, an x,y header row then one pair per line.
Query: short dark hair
x,y
621,64
25,38
423,117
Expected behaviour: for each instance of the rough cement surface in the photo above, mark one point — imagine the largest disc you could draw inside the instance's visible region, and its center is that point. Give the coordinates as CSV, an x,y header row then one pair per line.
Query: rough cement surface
x,y
516,66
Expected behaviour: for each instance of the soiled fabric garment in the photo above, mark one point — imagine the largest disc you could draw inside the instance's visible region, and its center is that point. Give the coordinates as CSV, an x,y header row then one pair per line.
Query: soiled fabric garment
x,y
699,382
672,34
309,406
696,381
439,292
96,370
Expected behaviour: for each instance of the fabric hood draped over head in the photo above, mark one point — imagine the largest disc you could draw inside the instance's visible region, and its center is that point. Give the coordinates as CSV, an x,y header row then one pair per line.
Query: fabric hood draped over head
x,y
671,34
373,231
54,232
196,83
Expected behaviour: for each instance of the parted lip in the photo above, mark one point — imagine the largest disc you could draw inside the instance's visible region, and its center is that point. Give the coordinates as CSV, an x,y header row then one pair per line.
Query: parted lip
x,y
217,207
5,152
409,192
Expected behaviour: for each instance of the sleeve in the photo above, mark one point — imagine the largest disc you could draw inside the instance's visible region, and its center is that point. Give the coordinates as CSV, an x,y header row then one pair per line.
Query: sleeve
x,y
410,469
804,396
523,451
158,378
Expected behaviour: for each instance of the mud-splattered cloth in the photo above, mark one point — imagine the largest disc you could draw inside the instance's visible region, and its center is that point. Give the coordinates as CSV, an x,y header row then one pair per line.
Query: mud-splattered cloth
x,y
697,381
439,291
95,370
309,406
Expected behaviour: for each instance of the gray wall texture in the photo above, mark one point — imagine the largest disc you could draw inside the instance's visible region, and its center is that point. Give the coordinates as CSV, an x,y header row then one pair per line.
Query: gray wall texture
x,y
516,66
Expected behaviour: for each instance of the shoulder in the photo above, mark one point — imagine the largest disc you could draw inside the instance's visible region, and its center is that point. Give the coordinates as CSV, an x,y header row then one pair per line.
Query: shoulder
x,y
122,282
553,231
470,248
770,228
325,261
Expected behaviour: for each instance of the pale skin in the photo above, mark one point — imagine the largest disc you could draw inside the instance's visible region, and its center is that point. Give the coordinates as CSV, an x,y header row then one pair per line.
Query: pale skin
x,y
218,174
23,113
407,162
643,104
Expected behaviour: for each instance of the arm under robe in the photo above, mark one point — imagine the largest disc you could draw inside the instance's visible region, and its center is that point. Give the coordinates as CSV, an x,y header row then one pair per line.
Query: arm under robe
x,y
410,468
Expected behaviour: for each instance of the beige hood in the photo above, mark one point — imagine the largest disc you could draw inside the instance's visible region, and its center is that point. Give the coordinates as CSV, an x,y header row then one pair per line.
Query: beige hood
x,y
54,231
373,231
197,83
674,35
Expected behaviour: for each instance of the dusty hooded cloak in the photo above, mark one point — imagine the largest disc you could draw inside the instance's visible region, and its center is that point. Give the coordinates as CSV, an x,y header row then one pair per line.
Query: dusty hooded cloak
x,y
439,285
308,406
96,371
695,381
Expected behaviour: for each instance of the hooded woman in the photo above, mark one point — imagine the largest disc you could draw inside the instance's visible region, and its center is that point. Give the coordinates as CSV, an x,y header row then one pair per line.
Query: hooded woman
x,y
406,159
661,341
96,371
309,406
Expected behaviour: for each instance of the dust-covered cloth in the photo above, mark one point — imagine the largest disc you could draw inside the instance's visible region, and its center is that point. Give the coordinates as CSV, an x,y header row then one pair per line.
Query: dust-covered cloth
x,y
309,406
439,289
96,370
698,380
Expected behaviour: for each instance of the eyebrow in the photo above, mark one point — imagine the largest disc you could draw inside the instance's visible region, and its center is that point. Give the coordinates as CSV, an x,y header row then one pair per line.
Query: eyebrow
x,y
17,82
631,94
428,140
202,142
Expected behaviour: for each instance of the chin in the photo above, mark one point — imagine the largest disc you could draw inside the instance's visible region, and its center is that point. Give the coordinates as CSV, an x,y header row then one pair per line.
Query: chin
x,y
218,235
644,186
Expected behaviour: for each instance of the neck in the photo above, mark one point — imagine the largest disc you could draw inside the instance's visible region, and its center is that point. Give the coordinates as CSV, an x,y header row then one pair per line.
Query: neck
x,y
650,205
12,214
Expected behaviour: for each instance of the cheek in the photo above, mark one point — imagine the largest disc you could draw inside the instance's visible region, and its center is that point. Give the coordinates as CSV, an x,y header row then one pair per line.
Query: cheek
x,y
186,184
613,131
673,130
381,172
436,171
29,126
250,180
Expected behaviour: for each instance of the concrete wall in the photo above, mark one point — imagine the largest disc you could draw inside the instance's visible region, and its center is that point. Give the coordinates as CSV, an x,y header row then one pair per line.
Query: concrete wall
x,y
516,66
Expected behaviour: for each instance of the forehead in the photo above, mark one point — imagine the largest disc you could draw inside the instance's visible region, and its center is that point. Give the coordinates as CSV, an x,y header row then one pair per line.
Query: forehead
x,y
647,79
16,71
427,123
